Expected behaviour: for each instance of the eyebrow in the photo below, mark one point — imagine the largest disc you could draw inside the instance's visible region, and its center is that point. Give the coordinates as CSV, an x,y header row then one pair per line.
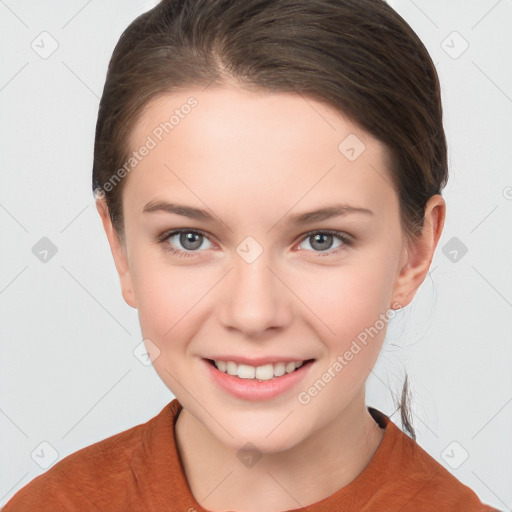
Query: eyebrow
x,y
328,212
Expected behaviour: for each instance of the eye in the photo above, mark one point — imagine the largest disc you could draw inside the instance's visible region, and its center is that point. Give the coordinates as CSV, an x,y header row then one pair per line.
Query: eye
x,y
190,240
321,241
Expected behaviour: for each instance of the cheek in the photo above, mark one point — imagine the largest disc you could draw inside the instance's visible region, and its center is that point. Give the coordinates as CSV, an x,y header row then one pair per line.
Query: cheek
x,y
168,298
354,306
349,300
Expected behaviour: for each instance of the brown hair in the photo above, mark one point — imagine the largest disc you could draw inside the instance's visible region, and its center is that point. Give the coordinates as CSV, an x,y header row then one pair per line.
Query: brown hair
x,y
358,56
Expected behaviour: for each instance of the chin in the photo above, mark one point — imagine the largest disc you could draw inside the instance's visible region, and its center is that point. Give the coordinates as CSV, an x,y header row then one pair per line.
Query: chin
x,y
273,437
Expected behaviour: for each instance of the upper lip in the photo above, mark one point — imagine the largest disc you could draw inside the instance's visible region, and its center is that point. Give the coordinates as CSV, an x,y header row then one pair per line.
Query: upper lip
x,y
257,361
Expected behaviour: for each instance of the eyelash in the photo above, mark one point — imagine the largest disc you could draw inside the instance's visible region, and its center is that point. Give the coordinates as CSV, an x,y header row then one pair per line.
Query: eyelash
x,y
163,239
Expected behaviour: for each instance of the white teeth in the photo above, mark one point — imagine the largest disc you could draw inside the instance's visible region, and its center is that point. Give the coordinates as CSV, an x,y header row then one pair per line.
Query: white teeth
x,y
246,372
232,368
290,367
264,372
279,369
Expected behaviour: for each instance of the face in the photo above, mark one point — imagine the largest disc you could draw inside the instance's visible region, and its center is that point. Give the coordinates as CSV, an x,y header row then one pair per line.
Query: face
x,y
252,279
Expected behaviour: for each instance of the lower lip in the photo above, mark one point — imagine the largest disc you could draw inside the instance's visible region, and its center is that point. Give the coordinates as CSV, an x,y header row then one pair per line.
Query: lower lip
x,y
248,389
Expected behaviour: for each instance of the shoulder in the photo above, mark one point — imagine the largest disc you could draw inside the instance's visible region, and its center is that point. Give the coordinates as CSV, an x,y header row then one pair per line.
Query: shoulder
x,y
418,479
89,477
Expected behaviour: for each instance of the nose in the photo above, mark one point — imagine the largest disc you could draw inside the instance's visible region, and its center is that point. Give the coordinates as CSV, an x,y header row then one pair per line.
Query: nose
x,y
254,298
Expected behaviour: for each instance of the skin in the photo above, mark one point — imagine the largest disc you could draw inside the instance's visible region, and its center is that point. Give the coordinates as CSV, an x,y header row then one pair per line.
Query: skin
x,y
252,159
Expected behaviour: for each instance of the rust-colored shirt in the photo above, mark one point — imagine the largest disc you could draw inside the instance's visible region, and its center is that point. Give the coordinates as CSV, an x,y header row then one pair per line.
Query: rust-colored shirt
x,y
140,470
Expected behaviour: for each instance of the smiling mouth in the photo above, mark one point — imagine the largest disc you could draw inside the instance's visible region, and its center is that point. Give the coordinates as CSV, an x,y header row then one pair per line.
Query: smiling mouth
x,y
258,373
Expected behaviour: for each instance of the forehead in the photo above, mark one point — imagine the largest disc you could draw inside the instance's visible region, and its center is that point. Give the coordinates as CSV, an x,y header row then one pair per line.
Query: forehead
x,y
238,146
280,119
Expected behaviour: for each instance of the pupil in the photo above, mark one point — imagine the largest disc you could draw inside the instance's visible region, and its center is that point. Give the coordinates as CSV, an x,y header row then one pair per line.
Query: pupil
x,y
188,238
317,239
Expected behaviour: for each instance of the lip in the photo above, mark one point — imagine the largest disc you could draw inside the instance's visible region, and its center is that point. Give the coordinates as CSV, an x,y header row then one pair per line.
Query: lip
x,y
248,389
257,361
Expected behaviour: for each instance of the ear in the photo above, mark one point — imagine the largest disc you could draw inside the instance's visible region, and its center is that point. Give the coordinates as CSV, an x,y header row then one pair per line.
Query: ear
x,y
119,253
417,256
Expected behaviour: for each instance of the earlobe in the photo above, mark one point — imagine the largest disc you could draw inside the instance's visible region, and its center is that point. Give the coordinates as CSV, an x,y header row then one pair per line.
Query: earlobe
x,y
119,254
419,253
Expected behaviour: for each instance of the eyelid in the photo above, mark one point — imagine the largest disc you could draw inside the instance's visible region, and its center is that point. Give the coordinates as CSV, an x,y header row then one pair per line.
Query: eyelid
x,y
333,232
166,235
348,241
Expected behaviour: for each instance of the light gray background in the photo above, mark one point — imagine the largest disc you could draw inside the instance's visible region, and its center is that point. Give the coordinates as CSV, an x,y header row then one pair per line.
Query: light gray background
x,y
68,373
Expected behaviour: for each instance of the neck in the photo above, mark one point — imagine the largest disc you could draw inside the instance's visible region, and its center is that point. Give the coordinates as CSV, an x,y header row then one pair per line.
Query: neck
x,y
316,468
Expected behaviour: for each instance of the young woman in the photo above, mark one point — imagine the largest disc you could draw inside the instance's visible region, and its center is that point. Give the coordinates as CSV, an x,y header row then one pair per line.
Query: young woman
x,y
269,177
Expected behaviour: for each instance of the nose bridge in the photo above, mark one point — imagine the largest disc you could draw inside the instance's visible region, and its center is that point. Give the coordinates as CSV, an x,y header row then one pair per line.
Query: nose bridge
x,y
255,299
